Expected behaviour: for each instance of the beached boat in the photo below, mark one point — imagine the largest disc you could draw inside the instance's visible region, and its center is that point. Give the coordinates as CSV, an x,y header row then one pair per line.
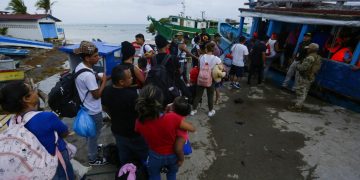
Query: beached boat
x,y
16,42
230,34
185,25
14,52
329,22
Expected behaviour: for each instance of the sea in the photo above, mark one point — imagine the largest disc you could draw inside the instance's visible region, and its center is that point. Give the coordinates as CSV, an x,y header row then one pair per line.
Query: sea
x,y
110,33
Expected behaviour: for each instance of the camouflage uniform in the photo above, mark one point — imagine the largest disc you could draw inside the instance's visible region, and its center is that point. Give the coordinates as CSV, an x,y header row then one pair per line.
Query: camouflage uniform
x,y
305,77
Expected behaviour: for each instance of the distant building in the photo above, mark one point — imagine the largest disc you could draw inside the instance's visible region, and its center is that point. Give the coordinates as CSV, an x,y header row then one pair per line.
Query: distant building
x,y
30,26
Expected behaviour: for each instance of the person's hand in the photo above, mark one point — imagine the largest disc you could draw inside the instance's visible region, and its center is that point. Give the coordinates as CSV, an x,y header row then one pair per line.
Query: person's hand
x,y
180,162
103,78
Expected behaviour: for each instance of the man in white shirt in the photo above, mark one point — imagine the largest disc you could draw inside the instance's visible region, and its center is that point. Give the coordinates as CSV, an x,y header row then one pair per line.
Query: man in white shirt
x,y
90,94
145,50
239,53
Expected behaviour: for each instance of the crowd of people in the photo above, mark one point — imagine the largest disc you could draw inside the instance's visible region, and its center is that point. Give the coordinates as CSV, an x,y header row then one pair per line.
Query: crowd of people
x,y
148,101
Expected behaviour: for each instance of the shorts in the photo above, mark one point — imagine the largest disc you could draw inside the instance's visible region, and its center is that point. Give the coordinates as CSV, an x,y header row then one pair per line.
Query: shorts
x,y
237,70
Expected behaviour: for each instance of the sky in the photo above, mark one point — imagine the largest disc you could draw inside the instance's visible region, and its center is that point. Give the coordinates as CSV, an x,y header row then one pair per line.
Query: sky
x,y
133,11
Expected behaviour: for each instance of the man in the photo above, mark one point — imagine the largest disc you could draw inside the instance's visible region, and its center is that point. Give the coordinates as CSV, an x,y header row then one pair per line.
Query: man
x,y
257,60
306,70
145,50
182,55
119,101
300,55
239,53
90,93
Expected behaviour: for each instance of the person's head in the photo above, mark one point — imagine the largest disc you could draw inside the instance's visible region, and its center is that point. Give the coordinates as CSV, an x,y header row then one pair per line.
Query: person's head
x,y
187,39
121,76
242,39
307,37
181,106
88,52
196,39
127,50
161,42
142,63
140,39
16,97
179,36
255,35
209,47
273,36
149,103
311,48
217,37
263,38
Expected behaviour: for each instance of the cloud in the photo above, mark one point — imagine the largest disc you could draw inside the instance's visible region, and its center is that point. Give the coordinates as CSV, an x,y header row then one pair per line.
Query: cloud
x,y
159,2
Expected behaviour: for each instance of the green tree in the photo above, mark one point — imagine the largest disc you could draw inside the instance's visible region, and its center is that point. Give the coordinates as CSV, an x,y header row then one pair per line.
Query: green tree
x,y
17,6
45,5
3,31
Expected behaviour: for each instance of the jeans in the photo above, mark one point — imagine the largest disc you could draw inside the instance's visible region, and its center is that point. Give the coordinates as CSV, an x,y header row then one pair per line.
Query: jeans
x,y
291,72
259,70
92,141
131,148
60,173
210,95
156,162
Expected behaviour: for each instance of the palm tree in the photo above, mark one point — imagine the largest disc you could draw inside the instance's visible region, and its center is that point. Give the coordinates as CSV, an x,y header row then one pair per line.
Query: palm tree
x,y
17,6
45,5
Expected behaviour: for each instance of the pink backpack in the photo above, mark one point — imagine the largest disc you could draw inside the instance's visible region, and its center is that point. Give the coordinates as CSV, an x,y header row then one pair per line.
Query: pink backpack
x,y
204,77
22,156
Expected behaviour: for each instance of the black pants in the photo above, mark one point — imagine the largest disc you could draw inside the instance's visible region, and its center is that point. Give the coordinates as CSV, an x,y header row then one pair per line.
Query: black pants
x,y
256,69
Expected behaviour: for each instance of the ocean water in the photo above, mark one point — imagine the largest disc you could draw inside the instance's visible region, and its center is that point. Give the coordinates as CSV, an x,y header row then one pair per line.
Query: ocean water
x,y
111,33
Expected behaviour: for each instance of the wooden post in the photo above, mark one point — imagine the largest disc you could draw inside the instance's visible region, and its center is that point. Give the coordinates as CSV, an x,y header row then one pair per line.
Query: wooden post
x,y
241,27
270,28
254,26
356,54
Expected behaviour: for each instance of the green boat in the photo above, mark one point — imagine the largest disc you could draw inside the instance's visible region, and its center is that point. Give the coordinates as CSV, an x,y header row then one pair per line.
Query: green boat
x,y
186,25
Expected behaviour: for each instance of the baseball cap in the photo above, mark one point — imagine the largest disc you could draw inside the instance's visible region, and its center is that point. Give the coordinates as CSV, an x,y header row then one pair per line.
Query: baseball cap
x,y
179,34
312,46
86,47
307,34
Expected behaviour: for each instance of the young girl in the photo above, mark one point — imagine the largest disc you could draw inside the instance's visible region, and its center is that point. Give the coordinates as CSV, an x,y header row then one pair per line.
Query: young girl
x,y
211,60
159,131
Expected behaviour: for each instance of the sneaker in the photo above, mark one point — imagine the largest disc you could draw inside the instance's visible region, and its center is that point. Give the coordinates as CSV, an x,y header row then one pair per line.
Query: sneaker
x,y
98,162
236,86
193,112
231,84
211,113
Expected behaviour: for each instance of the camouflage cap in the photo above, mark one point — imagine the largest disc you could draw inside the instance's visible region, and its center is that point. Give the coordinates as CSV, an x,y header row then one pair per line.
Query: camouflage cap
x,y
86,47
312,46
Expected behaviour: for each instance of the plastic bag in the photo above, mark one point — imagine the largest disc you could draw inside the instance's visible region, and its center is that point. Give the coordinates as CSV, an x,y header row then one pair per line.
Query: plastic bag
x,y
187,148
84,125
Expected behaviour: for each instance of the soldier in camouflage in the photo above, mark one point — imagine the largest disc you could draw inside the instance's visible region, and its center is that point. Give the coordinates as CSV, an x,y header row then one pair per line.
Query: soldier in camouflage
x,y
306,70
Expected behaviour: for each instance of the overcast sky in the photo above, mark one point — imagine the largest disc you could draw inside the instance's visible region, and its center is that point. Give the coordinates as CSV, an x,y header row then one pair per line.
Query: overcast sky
x,y
133,11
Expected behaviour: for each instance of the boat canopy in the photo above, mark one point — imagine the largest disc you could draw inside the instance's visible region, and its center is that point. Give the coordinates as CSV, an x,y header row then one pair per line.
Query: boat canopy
x,y
301,18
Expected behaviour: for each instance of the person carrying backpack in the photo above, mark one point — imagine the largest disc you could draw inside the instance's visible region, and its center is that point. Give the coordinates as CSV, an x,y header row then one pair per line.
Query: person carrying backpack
x,y
164,71
38,150
306,70
90,93
205,81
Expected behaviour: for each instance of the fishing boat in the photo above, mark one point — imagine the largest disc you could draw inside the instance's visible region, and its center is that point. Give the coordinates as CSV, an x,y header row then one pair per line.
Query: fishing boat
x,y
14,52
17,42
230,33
331,23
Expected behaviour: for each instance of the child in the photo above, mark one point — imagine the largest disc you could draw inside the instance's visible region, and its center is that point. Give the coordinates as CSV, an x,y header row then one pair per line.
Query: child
x,y
159,131
182,108
194,73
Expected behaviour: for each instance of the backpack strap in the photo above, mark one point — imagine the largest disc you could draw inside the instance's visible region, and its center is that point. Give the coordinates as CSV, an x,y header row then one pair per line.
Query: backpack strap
x,y
59,155
166,59
26,117
77,74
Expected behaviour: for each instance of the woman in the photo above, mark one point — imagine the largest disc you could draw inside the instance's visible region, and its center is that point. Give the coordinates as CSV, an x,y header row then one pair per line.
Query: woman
x,y
159,131
19,98
210,60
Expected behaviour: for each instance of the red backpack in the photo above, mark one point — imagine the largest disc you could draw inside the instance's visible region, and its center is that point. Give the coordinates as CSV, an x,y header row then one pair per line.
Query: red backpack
x,y
204,77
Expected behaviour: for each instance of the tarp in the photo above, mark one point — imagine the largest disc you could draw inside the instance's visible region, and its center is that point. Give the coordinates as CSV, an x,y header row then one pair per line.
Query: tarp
x,y
301,20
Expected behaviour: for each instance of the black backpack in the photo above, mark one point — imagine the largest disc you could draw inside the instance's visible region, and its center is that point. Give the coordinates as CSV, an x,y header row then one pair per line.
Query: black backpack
x,y
64,98
174,48
158,76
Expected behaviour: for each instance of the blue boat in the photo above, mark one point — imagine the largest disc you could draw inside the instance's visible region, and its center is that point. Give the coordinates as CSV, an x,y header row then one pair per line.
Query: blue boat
x,y
336,82
17,42
14,52
230,35
109,53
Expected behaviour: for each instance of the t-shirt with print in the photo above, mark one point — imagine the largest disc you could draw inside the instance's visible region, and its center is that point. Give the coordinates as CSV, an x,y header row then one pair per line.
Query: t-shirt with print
x,y
43,125
85,82
210,59
120,103
160,134
238,51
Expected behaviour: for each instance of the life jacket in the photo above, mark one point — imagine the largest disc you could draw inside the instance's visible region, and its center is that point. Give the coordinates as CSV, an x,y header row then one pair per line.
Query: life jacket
x,y
339,55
